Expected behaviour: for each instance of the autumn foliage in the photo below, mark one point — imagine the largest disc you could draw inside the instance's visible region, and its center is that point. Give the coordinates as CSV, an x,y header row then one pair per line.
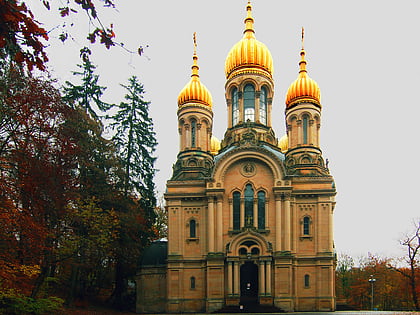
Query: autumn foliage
x,y
67,220
391,290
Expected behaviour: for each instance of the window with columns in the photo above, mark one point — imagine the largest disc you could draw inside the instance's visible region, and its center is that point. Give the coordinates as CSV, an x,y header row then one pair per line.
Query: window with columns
x,y
249,208
263,106
193,133
249,102
305,123
235,107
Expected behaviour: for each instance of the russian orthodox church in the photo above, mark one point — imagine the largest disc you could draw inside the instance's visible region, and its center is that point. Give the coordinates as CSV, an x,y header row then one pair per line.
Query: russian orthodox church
x,y
250,218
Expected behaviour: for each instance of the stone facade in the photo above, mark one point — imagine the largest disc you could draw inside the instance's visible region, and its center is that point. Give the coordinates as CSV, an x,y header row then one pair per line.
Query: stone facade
x,y
249,222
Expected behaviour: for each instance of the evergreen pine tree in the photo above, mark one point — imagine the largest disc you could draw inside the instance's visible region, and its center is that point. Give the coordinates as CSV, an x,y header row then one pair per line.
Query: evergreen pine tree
x,y
89,92
136,142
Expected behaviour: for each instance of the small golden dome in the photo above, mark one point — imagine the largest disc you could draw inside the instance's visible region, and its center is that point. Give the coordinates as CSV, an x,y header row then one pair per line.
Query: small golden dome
x,y
303,89
249,55
214,145
284,143
195,91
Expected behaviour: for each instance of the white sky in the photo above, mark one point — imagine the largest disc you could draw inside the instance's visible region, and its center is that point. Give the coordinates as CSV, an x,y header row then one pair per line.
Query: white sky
x,y
363,54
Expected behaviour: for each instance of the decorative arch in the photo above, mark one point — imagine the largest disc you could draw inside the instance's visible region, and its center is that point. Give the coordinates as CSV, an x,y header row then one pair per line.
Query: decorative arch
x,y
305,159
273,162
249,236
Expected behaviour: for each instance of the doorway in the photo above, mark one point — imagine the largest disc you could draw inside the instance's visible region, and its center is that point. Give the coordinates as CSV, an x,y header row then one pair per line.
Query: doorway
x,y
249,283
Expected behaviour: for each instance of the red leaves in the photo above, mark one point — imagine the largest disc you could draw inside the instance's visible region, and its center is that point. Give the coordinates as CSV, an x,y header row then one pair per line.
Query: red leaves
x,y
21,35
105,35
23,38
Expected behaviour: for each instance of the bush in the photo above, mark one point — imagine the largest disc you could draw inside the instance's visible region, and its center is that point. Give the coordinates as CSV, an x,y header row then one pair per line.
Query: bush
x,y
12,302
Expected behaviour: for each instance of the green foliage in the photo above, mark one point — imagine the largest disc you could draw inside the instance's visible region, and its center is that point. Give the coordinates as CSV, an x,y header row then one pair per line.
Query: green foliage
x,y
12,302
136,142
89,93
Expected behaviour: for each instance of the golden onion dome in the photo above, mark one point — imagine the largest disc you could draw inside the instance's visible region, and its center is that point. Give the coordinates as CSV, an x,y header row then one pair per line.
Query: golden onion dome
x,y
214,145
249,55
195,91
284,143
303,89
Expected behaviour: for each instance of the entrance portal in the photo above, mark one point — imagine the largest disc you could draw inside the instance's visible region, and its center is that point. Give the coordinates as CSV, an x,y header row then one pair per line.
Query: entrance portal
x,y
249,283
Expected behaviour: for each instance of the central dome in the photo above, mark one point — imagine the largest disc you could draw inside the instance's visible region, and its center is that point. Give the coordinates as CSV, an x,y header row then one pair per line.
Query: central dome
x,y
249,55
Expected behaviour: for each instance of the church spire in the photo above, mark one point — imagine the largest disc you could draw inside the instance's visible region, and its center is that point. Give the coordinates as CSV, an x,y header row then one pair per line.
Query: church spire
x,y
249,21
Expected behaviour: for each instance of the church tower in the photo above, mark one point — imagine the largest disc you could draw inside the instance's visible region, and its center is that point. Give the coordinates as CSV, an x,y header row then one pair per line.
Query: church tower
x,y
250,218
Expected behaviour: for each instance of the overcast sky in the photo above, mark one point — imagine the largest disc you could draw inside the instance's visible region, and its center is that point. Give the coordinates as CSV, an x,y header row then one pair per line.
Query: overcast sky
x,y
363,54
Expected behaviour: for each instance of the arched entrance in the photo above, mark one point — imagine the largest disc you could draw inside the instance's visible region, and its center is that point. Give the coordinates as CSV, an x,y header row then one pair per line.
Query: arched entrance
x,y
249,283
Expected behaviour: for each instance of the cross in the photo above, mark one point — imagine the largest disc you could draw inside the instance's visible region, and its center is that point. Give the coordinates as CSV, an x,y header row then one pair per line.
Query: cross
x,y
195,42
303,37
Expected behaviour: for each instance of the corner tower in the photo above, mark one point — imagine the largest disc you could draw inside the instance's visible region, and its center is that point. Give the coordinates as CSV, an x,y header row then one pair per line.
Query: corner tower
x,y
303,122
195,122
249,89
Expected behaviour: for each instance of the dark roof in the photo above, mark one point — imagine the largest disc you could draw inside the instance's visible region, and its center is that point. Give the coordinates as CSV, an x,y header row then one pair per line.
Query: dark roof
x,y
155,255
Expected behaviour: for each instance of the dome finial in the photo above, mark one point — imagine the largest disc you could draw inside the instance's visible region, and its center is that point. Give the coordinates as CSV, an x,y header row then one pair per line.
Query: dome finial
x,y
249,21
302,63
195,57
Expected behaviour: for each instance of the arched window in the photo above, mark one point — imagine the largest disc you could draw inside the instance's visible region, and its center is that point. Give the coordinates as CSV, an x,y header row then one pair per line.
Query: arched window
x,y
305,122
306,281
249,205
193,229
261,210
236,210
249,102
193,133
306,226
235,107
192,283
263,106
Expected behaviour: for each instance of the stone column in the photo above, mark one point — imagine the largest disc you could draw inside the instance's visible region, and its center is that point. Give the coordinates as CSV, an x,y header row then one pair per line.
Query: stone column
x,y
219,224
278,246
210,226
242,212
255,221
268,277
230,277
236,278
262,278
287,223
299,132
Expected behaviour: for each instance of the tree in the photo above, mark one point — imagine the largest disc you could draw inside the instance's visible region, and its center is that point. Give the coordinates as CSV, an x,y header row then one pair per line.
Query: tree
x,y
22,40
135,141
36,173
89,93
412,245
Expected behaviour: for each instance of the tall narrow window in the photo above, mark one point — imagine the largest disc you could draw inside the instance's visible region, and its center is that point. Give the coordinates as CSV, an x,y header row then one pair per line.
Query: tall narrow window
x,y
236,210
307,281
193,229
305,129
306,225
235,107
249,102
192,283
263,106
193,133
249,205
261,210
